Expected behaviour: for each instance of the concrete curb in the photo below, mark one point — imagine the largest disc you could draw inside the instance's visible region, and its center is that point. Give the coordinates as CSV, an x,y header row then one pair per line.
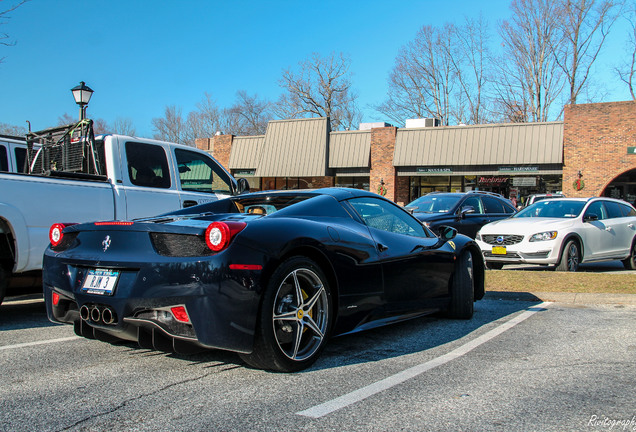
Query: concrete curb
x,y
558,297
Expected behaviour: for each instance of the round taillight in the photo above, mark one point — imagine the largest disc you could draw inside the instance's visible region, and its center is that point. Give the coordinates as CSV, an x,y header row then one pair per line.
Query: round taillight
x,y
56,234
217,236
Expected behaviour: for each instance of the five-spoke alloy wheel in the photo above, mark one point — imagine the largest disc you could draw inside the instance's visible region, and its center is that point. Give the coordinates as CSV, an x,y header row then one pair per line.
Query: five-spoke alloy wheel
x,y
295,318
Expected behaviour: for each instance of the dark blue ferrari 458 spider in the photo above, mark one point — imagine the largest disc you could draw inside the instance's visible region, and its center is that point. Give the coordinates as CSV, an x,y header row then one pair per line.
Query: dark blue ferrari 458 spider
x,y
270,275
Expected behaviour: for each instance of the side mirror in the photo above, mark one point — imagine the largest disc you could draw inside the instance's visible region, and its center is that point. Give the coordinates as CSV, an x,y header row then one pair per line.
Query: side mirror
x,y
466,210
242,185
447,233
590,217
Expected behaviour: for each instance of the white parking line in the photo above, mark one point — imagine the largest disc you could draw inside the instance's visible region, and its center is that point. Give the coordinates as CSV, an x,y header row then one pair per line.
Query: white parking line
x,y
377,387
43,342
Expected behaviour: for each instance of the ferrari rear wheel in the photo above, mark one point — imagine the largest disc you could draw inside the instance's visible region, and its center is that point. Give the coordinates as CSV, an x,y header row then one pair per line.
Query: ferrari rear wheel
x,y
462,289
295,318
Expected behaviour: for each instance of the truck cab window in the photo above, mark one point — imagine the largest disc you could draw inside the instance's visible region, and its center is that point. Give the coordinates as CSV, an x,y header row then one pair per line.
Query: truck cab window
x,y
147,165
199,173
4,160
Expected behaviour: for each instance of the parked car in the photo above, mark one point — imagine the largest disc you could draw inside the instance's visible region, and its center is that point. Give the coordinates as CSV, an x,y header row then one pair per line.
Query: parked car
x,y
531,199
465,211
563,232
270,275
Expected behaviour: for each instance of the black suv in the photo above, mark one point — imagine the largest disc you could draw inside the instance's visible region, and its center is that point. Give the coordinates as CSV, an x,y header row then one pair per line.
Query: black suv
x,y
465,211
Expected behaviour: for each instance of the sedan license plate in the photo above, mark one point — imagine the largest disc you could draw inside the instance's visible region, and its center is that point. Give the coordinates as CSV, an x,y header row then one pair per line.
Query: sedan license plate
x,y
100,282
498,250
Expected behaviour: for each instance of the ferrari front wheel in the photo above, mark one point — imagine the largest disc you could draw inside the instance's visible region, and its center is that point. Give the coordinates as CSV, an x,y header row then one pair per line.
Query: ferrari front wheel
x,y
295,318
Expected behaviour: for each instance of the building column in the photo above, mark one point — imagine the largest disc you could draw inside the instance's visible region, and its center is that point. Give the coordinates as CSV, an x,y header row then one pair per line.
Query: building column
x,y
219,146
382,169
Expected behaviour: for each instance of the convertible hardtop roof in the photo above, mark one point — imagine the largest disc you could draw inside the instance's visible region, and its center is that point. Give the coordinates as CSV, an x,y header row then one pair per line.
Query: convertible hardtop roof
x,y
338,193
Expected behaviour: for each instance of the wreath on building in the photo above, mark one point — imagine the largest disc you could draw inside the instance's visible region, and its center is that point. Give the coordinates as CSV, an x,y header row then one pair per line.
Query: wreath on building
x,y
579,183
382,190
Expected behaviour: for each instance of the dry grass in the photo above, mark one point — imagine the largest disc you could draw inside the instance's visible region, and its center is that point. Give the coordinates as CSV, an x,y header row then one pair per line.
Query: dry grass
x,y
552,281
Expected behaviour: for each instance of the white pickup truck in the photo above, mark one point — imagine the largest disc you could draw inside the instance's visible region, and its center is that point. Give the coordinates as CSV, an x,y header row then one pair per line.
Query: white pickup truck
x,y
138,178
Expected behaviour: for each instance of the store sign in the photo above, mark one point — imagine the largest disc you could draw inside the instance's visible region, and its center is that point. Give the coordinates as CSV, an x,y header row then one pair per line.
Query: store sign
x,y
524,181
244,172
519,169
631,150
492,180
434,170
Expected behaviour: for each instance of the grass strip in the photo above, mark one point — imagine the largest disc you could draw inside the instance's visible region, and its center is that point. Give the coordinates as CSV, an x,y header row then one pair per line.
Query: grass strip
x,y
552,281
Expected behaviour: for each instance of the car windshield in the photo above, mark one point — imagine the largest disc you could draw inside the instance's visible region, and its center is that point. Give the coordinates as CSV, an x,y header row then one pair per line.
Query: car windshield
x,y
434,203
558,208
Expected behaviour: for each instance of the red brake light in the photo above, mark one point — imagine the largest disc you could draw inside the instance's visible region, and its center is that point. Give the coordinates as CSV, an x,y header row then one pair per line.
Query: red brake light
x,y
180,314
56,298
55,233
119,223
219,234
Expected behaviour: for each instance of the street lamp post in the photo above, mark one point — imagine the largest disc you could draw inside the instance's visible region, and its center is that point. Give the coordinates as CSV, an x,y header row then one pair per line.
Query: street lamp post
x,y
82,94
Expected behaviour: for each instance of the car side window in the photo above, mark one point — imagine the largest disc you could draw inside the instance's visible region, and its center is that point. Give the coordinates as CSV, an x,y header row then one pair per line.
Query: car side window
x,y
147,165
198,173
596,208
492,205
628,210
379,214
614,209
4,159
475,203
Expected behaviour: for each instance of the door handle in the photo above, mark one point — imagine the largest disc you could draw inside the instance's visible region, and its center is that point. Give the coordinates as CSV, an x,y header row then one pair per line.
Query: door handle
x,y
381,247
189,203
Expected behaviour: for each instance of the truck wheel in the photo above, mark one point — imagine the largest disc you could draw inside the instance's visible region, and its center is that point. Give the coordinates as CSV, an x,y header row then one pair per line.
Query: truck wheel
x,y
4,281
462,289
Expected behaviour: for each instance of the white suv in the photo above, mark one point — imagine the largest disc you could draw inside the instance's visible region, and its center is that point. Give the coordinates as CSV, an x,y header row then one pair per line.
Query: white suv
x,y
563,232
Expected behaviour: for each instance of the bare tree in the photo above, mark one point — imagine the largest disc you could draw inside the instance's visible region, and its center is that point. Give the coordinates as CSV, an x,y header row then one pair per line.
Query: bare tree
x,y
16,131
423,78
4,17
201,123
529,79
584,26
320,87
171,127
627,71
248,115
123,126
471,59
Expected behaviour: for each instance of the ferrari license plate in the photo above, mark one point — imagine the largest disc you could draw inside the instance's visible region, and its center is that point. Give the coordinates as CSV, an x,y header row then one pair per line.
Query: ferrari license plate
x,y
498,250
100,282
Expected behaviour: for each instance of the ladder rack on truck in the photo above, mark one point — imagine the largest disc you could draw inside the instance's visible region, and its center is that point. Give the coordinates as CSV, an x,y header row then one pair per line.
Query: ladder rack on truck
x,y
69,148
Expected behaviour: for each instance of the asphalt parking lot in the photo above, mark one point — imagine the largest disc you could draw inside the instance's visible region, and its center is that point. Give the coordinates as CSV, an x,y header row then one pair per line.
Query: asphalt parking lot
x,y
517,365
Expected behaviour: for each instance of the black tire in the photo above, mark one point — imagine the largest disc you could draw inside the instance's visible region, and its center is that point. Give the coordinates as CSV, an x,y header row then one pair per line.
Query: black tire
x,y
462,289
630,262
4,282
292,331
494,265
570,257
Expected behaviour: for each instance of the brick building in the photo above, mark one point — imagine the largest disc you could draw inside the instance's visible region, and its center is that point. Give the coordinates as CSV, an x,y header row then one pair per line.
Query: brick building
x,y
592,152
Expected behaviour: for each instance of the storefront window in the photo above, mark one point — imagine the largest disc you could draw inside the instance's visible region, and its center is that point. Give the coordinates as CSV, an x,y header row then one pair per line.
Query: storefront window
x,y
353,182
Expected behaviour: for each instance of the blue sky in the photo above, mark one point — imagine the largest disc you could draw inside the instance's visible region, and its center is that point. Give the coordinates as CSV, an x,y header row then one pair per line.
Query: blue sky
x,y
140,56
